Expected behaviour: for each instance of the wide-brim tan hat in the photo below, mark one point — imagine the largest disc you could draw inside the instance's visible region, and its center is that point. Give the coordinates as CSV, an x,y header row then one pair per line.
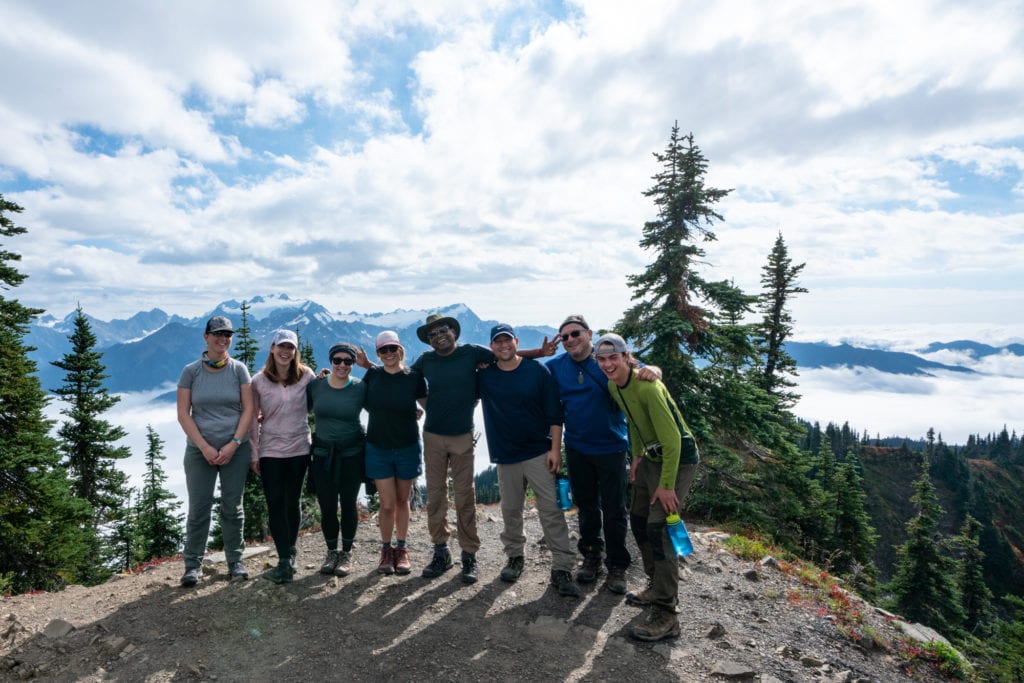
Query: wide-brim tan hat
x,y
436,320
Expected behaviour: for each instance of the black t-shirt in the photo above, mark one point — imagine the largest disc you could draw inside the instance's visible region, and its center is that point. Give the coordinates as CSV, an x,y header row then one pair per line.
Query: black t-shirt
x,y
452,387
391,405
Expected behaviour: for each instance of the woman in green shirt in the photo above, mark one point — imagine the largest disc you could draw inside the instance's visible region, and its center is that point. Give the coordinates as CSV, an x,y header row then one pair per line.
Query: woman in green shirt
x,y
336,465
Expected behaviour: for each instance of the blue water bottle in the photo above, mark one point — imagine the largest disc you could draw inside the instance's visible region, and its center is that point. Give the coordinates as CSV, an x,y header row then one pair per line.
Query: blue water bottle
x,y
564,492
677,533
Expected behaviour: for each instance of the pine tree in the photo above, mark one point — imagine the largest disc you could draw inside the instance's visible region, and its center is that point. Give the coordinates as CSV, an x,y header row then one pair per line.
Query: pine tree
x,y
999,557
306,354
923,586
254,500
853,536
41,523
797,503
693,329
245,346
310,506
779,278
975,596
158,526
1002,448
123,536
670,322
825,465
739,405
88,443
667,323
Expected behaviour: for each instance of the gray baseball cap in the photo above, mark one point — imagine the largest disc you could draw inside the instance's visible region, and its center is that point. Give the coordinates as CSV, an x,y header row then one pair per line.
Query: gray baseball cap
x,y
610,343
218,323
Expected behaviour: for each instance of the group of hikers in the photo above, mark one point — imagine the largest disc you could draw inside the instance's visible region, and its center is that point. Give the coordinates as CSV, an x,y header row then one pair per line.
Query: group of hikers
x,y
618,422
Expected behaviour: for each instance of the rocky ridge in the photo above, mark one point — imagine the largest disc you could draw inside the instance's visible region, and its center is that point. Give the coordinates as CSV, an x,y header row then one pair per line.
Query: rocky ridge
x,y
741,620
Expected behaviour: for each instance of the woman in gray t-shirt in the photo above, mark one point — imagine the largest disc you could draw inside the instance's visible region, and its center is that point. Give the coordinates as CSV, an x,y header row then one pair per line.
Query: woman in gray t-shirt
x,y
215,408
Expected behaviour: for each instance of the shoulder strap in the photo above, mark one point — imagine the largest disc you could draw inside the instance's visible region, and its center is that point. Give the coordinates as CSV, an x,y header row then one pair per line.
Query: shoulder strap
x,y
586,370
629,416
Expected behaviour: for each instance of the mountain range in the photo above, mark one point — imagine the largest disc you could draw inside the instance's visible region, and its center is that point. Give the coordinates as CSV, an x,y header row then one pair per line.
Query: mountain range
x,y
149,349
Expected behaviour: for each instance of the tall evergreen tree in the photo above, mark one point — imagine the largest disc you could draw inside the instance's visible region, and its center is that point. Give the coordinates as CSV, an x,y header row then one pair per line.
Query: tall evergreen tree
x,y
158,526
999,557
975,595
667,322
41,522
246,348
306,354
924,585
738,405
310,507
1002,448
122,537
89,444
779,279
254,500
853,536
825,465
670,321
692,328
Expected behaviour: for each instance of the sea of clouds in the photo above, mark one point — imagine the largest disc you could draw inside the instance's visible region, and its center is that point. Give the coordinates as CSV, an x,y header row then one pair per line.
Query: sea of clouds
x,y
955,404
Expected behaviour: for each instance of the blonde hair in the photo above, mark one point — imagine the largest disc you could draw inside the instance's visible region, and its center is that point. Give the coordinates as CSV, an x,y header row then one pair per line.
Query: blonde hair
x,y
401,355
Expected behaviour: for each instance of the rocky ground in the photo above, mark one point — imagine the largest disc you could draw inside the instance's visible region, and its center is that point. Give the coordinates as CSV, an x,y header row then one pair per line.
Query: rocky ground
x,y
741,620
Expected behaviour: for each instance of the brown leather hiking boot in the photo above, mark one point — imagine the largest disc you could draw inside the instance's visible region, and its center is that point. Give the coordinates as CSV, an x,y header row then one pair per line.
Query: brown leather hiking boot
x,y
387,560
658,625
400,554
641,598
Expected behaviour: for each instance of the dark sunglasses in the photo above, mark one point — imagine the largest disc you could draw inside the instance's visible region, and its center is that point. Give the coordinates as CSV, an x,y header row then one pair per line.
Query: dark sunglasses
x,y
347,360
573,334
437,331
390,348
223,333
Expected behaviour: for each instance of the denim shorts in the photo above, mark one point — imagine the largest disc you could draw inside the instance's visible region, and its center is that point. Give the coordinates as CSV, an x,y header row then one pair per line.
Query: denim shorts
x,y
387,463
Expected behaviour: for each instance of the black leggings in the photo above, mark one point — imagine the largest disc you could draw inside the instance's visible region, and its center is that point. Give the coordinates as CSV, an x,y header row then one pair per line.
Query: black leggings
x,y
334,478
282,485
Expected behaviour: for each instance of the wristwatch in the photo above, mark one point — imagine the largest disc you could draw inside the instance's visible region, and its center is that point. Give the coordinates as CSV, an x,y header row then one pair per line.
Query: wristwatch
x,y
238,442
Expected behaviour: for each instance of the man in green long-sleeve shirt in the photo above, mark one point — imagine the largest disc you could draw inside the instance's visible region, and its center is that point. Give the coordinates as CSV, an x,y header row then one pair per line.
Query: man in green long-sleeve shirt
x,y
664,464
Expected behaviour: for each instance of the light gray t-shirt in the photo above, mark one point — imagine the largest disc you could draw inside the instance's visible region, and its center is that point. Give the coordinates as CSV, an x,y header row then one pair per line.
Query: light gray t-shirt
x,y
216,399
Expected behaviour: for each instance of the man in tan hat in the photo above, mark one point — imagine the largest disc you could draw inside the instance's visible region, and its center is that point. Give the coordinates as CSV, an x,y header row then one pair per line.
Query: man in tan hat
x,y
448,436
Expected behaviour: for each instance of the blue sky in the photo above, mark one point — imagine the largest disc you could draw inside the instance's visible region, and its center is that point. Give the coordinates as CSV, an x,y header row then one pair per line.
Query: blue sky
x,y
382,155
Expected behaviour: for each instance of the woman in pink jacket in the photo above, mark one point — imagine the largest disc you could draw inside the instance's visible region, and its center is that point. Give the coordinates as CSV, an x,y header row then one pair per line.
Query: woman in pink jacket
x,y
280,444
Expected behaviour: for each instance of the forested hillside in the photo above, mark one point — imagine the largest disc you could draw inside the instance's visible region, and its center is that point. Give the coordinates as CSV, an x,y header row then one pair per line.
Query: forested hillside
x,y
983,478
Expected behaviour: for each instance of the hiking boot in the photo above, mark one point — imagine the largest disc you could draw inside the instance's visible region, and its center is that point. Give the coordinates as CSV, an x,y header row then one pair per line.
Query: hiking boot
x,y
641,598
191,576
400,555
344,564
616,581
562,580
282,573
441,562
590,569
468,567
237,570
387,560
513,569
330,562
658,625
